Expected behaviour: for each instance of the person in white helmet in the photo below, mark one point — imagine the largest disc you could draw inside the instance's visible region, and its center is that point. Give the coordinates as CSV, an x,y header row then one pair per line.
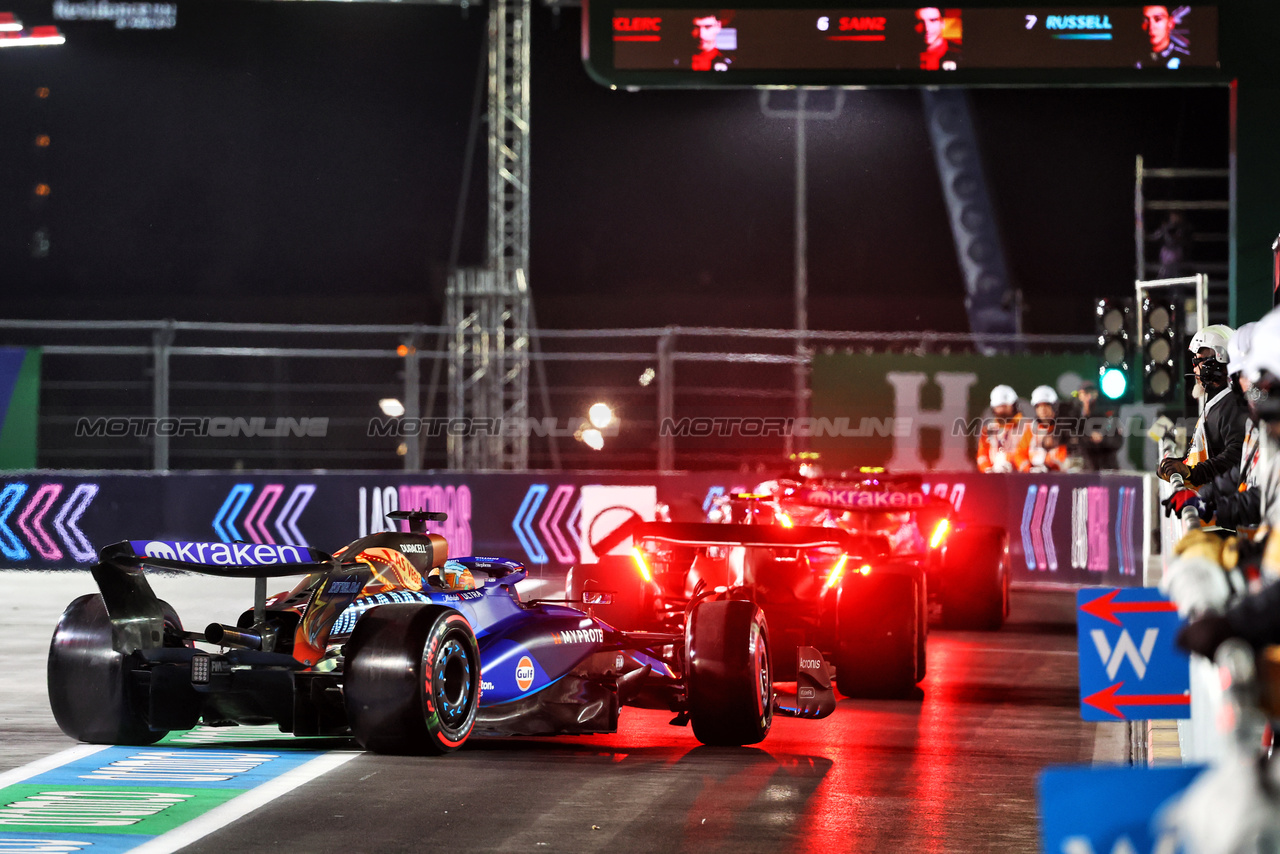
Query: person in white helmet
x,y
1262,375
1219,434
998,442
1039,447
1232,500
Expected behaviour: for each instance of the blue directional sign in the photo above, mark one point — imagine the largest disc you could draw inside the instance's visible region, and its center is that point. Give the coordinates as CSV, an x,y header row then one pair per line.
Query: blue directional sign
x,y
1108,810
1130,668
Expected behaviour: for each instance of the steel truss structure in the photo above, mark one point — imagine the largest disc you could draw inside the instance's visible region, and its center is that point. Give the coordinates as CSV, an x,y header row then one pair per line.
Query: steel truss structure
x,y
489,308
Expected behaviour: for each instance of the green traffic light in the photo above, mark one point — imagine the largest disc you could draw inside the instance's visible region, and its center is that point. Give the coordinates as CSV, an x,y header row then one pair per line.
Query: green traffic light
x,y
1114,383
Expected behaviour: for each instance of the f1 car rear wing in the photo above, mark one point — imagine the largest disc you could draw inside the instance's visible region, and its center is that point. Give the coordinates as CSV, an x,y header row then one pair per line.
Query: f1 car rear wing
x,y
767,536
233,560
861,496
137,615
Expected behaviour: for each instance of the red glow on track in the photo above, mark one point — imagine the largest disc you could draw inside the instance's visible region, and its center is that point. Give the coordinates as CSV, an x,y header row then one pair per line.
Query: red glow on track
x,y
637,38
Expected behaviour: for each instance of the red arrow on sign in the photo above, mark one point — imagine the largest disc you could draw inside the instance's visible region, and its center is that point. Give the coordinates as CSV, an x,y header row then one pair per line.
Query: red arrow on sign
x,y
1110,701
1105,608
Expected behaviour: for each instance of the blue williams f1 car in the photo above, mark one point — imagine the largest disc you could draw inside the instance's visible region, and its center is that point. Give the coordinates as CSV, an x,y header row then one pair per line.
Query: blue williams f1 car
x,y
407,651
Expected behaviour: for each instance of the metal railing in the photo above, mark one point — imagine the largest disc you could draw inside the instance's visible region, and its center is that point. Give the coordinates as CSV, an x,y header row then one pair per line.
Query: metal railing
x,y
138,394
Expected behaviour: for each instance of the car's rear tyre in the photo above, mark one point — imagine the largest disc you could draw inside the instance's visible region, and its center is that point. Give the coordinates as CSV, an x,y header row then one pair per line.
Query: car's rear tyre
x,y
632,607
975,585
412,679
92,690
878,635
922,631
730,678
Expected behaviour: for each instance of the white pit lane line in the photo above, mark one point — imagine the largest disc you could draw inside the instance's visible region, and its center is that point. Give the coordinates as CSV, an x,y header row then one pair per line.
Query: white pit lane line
x,y
49,763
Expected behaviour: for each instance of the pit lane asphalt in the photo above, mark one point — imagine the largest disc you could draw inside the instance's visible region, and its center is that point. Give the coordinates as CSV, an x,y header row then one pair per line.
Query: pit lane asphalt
x,y
951,771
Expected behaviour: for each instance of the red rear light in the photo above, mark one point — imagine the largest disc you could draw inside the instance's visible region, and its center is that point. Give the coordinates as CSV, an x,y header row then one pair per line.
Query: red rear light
x,y
940,532
785,520
643,567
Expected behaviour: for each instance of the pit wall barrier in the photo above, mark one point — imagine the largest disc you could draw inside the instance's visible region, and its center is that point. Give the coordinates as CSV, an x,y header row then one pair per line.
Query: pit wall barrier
x,y
1200,738
1063,528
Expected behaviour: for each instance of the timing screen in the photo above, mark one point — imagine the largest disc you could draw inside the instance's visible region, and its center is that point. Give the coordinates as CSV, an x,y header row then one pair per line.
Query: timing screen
x,y
930,38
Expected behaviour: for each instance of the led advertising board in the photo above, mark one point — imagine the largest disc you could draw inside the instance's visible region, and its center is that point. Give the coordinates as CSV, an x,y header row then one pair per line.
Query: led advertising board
x,y
631,45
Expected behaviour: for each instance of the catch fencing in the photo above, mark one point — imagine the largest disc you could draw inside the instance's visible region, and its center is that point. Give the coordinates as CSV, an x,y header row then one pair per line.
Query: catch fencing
x,y
167,395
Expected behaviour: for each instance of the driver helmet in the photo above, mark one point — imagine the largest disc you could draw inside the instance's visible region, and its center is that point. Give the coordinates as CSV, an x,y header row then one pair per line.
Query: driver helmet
x,y
805,465
1003,395
452,576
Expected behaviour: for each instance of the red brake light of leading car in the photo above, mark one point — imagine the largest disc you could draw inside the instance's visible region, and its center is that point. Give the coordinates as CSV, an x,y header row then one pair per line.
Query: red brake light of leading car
x,y
834,576
939,533
641,565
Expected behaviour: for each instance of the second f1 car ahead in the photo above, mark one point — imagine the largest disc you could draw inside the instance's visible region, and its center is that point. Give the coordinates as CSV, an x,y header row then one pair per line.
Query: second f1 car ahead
x,y
845,567
409,652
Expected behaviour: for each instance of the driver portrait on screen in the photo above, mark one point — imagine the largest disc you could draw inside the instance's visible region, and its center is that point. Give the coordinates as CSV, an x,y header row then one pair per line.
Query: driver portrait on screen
x,y
1166,48
707,30
939,51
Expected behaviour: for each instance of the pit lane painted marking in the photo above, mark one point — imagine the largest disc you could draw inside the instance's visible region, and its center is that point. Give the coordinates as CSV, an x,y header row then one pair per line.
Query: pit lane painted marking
x,y
156,799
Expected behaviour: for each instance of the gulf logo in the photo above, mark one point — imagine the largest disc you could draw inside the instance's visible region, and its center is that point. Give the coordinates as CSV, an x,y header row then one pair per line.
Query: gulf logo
x,y
524,673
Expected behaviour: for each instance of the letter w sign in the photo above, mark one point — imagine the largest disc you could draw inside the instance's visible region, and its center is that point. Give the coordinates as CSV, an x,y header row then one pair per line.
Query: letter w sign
x,y
1130,668
1113,656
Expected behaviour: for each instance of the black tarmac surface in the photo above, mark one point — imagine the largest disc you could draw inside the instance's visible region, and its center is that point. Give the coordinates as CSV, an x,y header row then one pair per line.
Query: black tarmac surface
x,y
951,771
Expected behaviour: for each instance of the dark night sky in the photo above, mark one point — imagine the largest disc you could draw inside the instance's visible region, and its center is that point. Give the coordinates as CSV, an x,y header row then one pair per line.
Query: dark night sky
x,y
302,162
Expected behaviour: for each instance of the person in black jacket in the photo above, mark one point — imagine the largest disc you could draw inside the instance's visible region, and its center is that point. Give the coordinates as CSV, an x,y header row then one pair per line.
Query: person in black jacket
x,y
1090,431
1232,500
1219,435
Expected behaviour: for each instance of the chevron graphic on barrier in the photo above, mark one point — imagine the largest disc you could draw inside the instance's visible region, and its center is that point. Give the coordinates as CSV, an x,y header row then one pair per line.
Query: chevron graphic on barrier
x,y
1046,529
1028,510
552,527
269,496
287,522
574,524
1126,552
32,518
29,510
68,518
1099,540
1037,528
520,524
255,521
550,519
224,522
10,546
